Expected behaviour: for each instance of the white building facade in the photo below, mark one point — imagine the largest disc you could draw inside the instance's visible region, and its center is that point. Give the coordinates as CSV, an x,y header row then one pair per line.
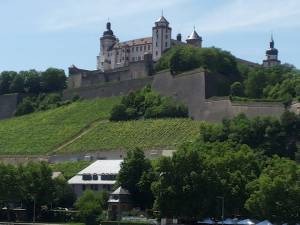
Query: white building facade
x,y
114,54
100,175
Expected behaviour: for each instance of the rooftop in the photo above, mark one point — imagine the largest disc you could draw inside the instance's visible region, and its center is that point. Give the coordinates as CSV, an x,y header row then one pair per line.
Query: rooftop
x,y
140,41
103,167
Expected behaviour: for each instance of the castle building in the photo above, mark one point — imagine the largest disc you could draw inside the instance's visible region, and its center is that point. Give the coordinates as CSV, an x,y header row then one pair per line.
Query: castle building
x,y
272,55
115,54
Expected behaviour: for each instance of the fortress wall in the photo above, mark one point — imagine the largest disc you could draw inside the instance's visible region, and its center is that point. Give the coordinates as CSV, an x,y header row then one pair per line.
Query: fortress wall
x,y
8,105
108,89
187,87
220,109
258,109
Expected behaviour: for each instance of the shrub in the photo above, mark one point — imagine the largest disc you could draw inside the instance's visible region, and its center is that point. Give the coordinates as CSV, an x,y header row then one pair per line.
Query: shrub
x,y
148,104
236,89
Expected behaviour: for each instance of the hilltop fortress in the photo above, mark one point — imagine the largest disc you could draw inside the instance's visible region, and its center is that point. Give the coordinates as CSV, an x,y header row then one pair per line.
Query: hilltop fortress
x,y
128,66
133,59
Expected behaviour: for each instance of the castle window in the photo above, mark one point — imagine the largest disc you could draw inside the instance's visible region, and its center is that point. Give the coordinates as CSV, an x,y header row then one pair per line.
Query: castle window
x,y
141,48
148,47
117,52
166,44
128,50
137,48
156,53
156,44
139,58
157,36
132,58
166,36
127,58
144,47
132,49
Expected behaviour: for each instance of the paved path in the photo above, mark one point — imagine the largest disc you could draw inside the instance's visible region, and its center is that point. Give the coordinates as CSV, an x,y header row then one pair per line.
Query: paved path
x,y
83,131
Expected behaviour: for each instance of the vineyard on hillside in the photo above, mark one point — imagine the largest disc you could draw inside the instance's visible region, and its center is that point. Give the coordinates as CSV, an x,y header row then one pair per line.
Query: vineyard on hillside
x,y
145,134
41,132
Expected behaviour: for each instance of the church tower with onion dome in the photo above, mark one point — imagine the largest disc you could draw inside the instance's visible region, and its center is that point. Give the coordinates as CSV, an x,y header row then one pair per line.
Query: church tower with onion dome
x,y
161,37
194,39
272,55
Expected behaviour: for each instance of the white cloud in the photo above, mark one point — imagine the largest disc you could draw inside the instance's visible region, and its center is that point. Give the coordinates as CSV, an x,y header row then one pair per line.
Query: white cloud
x,y
73,14
250,14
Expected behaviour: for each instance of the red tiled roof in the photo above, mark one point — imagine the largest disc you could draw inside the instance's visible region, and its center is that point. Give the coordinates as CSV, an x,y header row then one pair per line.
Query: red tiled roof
x,y
140,41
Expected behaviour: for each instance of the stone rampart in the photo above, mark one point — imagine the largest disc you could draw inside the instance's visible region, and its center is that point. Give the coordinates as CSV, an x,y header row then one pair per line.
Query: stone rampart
x,y
8,105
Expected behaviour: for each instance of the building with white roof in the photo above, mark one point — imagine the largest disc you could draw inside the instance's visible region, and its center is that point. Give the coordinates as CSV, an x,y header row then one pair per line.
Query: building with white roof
x,y
100,175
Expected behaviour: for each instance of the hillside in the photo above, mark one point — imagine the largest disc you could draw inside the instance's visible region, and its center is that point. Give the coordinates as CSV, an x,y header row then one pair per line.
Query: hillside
x,y
145,134
39,133
84,126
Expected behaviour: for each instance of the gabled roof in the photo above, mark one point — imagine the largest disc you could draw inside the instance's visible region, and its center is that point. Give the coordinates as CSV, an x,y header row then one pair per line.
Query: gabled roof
x,y
120,191
103,167
194,36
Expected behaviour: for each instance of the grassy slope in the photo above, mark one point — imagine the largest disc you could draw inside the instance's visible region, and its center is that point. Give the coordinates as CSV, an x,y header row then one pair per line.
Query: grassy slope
x,y
146,134
41,132
69,169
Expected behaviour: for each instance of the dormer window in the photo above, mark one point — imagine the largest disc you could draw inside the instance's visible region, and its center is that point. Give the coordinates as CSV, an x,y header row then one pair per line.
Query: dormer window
x,y
86,176
95,176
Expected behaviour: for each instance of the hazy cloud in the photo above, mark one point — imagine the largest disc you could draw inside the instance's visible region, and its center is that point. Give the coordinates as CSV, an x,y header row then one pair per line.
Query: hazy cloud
x,y
72,14
254,14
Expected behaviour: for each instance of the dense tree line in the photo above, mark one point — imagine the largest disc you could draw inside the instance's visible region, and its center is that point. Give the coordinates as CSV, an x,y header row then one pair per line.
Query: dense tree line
x,y
237,160
41,102
146,103
265,134
281,83
32,81
32,185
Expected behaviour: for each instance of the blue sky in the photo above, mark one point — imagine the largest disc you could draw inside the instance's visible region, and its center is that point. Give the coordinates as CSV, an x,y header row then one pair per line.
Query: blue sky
x,y
37,34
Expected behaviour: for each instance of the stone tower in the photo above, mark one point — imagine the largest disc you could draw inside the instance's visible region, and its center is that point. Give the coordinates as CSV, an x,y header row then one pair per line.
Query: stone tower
x,y
107,41
194,39
272,55
161,37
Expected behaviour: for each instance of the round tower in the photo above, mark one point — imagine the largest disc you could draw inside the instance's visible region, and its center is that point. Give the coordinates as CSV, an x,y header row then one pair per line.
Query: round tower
x,y
194,39
107,41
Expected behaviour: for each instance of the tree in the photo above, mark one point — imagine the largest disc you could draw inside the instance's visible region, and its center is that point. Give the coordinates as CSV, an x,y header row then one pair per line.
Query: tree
x,y
63,193
25,107
190,181
36,186
17,84
32,81
90,206
5,81
236,89
135,176
276,193
53,80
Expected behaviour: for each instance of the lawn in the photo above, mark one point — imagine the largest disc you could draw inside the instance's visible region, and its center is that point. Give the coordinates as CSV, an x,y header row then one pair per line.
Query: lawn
x,y
40,133
145,134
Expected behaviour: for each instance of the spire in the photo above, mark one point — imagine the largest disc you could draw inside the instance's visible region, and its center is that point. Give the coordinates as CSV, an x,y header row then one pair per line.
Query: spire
x,y
272,43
